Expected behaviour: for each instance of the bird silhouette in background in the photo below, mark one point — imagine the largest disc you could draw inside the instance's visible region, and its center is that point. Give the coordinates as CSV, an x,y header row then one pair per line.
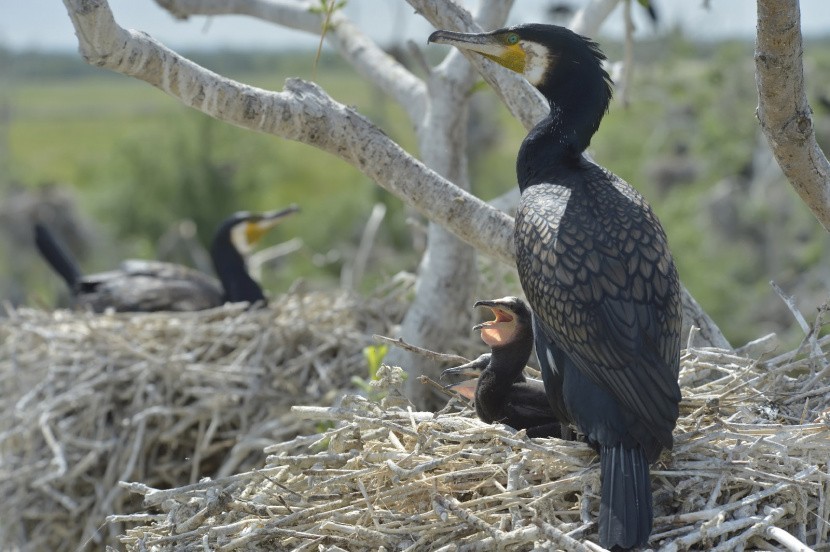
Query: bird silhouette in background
x,y
146,286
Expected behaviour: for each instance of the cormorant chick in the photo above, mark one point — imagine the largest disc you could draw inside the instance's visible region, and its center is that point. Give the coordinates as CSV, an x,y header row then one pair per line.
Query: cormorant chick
x,y
502,393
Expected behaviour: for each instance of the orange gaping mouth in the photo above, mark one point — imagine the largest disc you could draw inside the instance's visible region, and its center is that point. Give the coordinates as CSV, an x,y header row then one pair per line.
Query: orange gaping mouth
x,y
494,332
501,315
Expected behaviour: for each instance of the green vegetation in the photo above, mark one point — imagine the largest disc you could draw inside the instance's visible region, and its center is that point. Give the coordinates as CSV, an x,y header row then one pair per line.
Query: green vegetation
x,y
139,162
374,355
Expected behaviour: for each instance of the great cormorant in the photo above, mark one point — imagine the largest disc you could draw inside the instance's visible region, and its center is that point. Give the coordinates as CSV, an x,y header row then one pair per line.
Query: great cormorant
x,y
595,266
502,393
146,286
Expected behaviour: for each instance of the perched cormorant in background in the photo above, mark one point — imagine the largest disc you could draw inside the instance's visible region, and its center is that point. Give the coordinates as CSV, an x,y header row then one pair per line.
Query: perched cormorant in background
x,y
502,393
595,266
145,286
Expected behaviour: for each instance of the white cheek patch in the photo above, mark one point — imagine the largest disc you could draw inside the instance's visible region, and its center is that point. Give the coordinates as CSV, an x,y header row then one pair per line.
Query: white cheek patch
x,y
537,62
239,239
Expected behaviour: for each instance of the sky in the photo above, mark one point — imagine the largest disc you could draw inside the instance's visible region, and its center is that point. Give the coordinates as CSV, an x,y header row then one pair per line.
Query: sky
x,y
44,24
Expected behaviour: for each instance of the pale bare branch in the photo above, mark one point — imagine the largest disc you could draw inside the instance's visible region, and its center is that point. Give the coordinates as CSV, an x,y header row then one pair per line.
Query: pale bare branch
x,y
352,272
302,112
783,110
363,53
624,82
431,355
589,19
695,316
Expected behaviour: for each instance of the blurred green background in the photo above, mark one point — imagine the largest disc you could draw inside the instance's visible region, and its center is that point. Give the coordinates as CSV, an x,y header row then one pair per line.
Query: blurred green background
x,y
117,165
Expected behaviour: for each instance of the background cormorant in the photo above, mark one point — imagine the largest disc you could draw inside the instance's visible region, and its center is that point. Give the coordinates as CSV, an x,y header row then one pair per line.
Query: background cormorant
x,y
502,393
595,266
145,286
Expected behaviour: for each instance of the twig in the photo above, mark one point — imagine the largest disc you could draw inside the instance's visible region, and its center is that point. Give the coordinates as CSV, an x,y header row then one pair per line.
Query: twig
x,y
759,527
628,57
426,380
561,538
787,540
353,272
438,357
810,335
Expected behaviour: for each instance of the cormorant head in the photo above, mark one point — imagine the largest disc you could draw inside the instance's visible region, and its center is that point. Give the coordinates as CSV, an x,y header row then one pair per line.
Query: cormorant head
x,y
564,66
511,327
245,229
472,369
512,322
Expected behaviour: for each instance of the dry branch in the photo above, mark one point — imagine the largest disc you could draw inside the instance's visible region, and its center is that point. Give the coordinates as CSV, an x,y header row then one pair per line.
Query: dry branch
x,y
432,355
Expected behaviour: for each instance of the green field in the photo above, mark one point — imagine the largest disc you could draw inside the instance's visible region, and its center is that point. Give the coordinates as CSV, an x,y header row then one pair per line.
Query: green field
x,y
139,162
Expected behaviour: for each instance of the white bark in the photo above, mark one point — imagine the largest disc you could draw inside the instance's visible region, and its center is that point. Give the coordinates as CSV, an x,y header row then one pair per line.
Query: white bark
x,y
783,110
447,272
589,19
371,61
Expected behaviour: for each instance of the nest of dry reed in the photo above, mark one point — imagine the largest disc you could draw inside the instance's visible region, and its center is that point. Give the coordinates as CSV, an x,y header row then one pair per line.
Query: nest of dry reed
x,y
749,470
166,398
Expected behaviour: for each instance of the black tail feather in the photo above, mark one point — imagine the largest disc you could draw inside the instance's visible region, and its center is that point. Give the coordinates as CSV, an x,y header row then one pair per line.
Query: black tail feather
x,y
625,513
57,256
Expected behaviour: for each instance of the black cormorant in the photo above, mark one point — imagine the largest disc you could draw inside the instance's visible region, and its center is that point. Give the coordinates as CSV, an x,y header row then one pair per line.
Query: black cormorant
x,y
595,266
502,393
146,286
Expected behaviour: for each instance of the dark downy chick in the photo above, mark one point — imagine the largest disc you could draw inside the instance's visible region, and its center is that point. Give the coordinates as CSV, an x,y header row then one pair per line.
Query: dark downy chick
x,y
502,393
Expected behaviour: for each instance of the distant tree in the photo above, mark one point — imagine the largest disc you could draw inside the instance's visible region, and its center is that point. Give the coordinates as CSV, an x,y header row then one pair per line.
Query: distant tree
x,y
436,185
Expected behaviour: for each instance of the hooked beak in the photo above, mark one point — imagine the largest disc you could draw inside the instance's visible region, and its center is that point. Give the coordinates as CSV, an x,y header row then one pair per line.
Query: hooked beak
x,y
255,229
489,45
471,369
498,311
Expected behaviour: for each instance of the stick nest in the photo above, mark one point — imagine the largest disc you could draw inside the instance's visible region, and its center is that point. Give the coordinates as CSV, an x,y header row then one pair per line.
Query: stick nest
x,y
749,468
166,398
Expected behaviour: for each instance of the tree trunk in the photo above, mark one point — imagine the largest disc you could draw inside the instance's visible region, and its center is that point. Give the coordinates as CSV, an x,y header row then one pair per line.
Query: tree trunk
x,y
442,308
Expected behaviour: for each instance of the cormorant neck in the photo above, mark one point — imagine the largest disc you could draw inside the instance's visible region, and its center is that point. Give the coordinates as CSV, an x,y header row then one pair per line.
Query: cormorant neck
x,y
578,94
233,274
508,360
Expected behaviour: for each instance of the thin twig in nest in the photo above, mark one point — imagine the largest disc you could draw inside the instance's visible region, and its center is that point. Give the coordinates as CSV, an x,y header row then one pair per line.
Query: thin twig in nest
x,y
432,355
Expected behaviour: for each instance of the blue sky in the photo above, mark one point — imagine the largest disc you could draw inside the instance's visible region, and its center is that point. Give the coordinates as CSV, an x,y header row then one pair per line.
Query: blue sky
x,y
44,24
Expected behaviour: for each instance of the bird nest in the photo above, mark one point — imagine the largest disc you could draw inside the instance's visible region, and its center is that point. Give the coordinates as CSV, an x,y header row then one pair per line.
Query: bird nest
x,y
165,398
749,468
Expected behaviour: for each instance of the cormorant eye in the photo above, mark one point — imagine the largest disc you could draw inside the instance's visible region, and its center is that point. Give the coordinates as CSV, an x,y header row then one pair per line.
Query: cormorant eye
x,y
512,38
